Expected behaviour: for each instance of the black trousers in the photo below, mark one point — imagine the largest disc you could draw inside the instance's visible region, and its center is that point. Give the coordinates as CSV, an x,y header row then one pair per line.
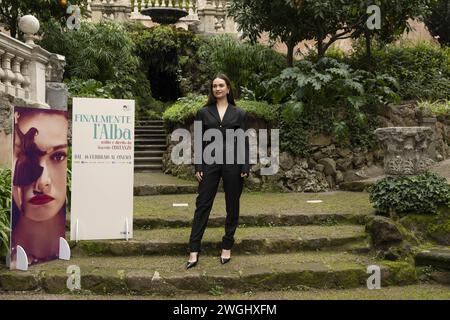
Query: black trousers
x,y
207,190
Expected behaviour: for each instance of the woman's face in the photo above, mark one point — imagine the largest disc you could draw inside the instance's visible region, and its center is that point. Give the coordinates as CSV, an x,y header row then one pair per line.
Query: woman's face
x,y
220,88
44,198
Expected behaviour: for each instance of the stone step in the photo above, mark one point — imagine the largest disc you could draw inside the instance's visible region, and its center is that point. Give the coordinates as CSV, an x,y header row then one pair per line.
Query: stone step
x,y
149,135
154,190
435,257
253,240
147,160
256,208
147,140
149,126
166,275
420,291
149,130
149,167
149,147
148,153
149,123
250,220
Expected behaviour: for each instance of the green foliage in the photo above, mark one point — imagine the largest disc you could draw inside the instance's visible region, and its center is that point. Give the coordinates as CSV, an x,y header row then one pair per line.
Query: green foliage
x,y
101,61
260,109
246,65
438,21
325,21
169,59
101,51
329,97
278,19
422,70
43,10
411,194
185,108
438,108
5,208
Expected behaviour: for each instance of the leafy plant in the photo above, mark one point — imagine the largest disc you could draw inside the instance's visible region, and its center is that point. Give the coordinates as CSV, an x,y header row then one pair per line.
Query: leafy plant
x,y
438,108
185,108
411,194
421,70
246,65
329,97
169,59
5,207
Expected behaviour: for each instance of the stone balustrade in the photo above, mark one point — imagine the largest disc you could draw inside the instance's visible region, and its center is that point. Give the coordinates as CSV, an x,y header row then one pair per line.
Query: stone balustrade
x,y
204,16
25,69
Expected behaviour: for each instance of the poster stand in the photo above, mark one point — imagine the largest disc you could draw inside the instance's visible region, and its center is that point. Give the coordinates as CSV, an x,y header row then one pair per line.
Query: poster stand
x,y
76,231
64,249
22,259
126,229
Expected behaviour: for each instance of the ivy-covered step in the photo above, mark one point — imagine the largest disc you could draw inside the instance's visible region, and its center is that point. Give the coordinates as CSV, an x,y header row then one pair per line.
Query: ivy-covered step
x,y
158,183
257,209
438,257
166,275
248,240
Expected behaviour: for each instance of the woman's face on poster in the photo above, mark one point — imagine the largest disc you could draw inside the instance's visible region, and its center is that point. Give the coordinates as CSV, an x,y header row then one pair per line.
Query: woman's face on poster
x,y
45,197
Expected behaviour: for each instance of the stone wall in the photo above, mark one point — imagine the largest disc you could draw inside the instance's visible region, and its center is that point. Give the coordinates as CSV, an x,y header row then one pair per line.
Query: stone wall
x,y
330,165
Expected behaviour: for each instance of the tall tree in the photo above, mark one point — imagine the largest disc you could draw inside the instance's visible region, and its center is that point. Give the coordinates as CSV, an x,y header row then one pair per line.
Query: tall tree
x,y
325,21
438,22
12,10
277,18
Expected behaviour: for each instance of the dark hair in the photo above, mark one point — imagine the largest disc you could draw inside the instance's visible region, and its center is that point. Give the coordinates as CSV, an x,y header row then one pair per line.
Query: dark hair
x,y
230,96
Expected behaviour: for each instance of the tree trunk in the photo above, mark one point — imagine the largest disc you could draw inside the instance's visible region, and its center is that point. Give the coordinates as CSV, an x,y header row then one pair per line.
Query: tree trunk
x,y
320,48
290,54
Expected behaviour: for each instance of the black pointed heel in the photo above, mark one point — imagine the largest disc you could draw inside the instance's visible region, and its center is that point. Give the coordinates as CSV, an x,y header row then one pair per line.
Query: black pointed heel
x,y
224,260
192,264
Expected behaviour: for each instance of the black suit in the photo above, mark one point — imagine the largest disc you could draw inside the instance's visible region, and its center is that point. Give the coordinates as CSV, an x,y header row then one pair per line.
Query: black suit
x,y
234,118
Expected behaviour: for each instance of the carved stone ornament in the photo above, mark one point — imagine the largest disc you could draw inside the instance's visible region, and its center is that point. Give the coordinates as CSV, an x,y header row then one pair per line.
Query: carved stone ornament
x,y
406,149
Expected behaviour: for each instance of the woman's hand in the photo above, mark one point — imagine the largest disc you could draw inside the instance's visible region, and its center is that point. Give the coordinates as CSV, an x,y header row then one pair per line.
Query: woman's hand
x,y
244,174
199,175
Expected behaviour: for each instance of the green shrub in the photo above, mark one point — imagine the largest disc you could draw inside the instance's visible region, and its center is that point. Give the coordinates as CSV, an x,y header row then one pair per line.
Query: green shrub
x,y
245,64
5,209
101,61
422,70
186,108
331,98
411,194
169,59
438,108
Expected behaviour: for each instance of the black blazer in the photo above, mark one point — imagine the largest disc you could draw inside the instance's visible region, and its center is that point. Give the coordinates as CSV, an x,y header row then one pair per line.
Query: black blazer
x,y
234,118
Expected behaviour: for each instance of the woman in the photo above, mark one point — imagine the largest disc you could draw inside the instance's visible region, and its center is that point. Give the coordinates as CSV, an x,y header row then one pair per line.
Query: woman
x,y
39,183
219,113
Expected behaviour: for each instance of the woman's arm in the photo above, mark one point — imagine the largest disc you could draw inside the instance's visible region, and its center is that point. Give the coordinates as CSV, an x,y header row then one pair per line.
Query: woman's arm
x,y
246,166
199,167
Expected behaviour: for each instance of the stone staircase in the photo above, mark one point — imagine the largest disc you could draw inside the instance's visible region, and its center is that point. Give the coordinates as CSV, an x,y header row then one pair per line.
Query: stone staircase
x,y
149,145
283,243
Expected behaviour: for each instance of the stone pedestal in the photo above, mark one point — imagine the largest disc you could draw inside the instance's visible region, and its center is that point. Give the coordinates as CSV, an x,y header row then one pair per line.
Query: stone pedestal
x,y
406,149
57,94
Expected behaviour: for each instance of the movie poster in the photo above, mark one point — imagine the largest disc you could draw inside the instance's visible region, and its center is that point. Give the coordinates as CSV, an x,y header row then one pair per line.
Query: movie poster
x,y
102,169
39,182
